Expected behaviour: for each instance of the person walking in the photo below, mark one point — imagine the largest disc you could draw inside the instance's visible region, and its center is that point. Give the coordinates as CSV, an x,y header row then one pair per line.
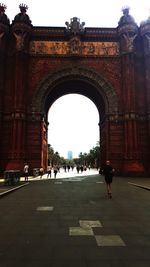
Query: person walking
x,y
55,171
41,172
26,171
108,172
49,172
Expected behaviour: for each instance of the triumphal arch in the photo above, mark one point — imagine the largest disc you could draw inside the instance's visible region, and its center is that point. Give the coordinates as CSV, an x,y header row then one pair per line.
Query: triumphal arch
x,y
111,66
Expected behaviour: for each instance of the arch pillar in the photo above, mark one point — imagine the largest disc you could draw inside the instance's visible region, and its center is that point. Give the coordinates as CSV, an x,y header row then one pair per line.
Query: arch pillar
x,y
133,165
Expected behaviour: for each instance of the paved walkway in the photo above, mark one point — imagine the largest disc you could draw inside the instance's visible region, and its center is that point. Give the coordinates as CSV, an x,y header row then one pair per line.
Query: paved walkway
x,y
70,222
5,189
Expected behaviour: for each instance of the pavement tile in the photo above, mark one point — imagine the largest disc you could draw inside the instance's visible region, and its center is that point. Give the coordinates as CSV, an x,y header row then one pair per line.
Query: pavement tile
x,y
45,208
77,231
89,224
109,240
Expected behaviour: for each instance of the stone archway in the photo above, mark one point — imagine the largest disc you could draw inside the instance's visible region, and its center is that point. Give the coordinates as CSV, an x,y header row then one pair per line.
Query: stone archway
x,y
76,80
103,88
119,53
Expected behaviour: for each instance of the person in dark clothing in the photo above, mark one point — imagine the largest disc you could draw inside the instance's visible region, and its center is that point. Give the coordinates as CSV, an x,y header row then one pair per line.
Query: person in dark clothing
x,y
26,171
108,173
78,168
55,171
49,172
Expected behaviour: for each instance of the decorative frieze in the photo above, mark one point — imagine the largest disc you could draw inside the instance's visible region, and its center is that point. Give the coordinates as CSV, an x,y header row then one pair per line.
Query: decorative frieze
x,y
74,46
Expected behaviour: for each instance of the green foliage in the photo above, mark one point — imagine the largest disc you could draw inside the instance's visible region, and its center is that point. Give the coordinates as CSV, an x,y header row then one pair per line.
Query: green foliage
x,y
53,157
92,158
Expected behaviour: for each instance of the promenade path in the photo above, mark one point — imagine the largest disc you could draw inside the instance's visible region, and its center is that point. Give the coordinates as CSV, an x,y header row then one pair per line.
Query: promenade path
x,y
70,222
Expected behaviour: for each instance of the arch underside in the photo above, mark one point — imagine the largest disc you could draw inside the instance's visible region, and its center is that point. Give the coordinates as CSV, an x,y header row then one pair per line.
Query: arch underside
x,y
75,80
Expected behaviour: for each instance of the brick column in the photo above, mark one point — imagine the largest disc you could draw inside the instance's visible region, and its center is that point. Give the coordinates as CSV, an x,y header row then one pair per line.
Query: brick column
x,y
4,30
2,86
21,29
132,161
145,33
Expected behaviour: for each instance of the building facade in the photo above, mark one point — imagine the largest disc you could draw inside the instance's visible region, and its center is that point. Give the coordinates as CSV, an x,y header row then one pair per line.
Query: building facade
x,y
110,66
70,155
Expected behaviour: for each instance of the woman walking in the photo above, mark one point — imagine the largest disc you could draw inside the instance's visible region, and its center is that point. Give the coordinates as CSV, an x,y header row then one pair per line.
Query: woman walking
x,y
108,173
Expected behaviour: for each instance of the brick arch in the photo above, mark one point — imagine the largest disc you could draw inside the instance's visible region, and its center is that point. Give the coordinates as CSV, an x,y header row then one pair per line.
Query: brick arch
x,y
90,76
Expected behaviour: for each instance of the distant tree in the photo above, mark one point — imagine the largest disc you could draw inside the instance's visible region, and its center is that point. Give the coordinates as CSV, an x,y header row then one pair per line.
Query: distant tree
x,y
81,158
56,158
92,158
50,154
77,161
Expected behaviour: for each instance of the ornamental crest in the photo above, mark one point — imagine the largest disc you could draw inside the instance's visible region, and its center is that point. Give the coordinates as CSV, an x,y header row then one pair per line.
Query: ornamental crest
x,y
75,27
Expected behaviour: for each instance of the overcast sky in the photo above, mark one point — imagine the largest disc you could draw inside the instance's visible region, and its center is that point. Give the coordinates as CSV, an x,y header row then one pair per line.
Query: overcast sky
x,y
95,13
73,118
73,124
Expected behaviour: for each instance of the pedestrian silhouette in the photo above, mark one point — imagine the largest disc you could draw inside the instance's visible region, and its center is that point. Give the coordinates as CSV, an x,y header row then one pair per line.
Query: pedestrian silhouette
x,y
108,173
41,172
55,171
49,172
26,171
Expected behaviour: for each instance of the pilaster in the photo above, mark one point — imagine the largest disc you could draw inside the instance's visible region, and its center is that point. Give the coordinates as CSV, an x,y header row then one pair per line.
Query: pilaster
x,y
4,31
145,34
128,32
21,29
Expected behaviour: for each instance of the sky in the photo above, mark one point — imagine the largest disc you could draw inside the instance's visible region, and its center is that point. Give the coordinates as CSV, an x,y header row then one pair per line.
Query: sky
x,y
73,125
74,118
95,13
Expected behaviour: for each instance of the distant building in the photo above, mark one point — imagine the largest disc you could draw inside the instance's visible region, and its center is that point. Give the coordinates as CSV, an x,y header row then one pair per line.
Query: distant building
x,y
70,157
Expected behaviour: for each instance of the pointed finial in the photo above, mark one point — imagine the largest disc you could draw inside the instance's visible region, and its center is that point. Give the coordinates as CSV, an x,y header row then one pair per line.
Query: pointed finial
x,y
125,10
23,8
2,8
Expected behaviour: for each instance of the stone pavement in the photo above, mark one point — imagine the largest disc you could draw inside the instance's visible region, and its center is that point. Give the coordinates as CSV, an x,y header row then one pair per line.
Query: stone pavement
x,y
70,222
5,189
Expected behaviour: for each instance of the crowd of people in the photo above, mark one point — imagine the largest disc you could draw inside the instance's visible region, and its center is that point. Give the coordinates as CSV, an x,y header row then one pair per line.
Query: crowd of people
x,y
55,169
